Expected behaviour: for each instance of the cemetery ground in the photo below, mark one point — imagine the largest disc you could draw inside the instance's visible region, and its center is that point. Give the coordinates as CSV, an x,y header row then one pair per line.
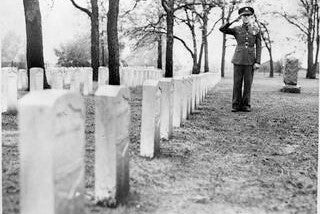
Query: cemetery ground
x,y
264,161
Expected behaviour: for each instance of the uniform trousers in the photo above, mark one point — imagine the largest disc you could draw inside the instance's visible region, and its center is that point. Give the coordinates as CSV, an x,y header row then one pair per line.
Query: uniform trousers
x,y
242,74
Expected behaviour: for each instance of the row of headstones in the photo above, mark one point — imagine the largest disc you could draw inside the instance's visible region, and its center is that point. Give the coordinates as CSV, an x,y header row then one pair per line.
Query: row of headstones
x,y
75,79
52,140
131,76
167,103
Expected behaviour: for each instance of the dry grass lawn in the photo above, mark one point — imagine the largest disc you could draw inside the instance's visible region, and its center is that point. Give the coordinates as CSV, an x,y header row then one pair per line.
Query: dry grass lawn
x,y
218,162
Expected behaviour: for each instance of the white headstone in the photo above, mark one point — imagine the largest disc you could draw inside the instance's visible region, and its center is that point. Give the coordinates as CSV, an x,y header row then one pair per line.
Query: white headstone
x,y
4,88
75,83
184,97
57,80
36,79
24,78
67,76
189,95
112,144
88,81
12,91
150,121
166,117
177,101
103,78
197,89
20,79
52,145
193,93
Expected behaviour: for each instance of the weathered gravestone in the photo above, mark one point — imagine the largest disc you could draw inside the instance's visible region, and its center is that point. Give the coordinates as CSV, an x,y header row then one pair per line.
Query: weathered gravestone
x,y
4,88
150,121
19,79
36,79
112,144
87,81
57,80
290,75
177,101
22,79
52,145
75,83
188,94
166,117
12,91
197,90
103,78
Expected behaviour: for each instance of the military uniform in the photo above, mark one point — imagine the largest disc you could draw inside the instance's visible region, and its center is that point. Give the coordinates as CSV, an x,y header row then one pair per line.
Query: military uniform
x,y
247,53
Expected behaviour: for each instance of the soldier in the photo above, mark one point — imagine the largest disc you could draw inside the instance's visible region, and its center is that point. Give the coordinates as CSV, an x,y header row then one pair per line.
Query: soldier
x,y
246,58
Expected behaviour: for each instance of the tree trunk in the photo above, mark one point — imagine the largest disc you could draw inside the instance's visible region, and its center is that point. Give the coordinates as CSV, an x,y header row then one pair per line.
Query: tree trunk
x,y
34,38
223,57
205,42
113,42
200,56
271,63
159,61
95,39
310,71
169,47
317,49
223,54
195,68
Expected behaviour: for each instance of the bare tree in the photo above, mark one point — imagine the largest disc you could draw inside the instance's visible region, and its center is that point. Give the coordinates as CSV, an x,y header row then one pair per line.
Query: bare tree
x,y
113,42
148,29
168,6
197,15
94,18
265,34
206,7
226,12
34,38
307,21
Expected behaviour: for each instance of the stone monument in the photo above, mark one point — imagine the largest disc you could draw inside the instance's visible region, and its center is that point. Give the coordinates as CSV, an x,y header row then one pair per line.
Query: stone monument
x,y
290,75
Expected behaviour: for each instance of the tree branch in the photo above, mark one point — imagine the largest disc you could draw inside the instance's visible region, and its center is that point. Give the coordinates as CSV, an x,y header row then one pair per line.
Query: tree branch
x,y
184,44
129,11
165,5
298,25
214,25
81,8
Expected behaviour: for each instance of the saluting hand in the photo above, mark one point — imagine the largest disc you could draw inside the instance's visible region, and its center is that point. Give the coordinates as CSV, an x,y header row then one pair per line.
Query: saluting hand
x,y
237,19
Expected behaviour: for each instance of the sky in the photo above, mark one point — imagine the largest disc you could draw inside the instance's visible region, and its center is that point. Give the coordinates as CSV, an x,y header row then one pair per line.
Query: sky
x,y
61,22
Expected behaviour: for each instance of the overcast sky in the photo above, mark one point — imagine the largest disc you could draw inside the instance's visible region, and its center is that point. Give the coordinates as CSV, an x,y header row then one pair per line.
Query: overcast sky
x,y
61,22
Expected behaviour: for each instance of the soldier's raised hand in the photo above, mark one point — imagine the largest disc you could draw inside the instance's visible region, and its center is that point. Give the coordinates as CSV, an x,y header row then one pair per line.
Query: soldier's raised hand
x,y
237,19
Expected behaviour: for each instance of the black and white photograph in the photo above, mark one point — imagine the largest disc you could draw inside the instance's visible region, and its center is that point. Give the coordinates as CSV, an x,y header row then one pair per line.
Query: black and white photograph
x,y
159,106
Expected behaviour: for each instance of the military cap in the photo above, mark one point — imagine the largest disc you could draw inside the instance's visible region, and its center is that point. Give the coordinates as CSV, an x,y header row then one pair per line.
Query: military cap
x,y
246,11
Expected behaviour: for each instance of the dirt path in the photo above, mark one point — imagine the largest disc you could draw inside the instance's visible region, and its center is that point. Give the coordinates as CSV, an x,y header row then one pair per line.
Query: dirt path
x,y
218,162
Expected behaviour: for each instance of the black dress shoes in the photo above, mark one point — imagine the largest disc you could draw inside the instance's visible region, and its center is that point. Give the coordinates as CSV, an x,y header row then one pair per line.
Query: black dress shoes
x,y
235,109
246,109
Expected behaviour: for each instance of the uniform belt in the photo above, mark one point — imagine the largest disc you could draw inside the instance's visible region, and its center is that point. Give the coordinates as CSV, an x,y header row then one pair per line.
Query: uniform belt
x,y
246,46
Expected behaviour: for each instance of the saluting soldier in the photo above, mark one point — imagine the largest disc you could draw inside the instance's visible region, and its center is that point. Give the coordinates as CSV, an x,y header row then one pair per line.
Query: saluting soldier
x,y
246,58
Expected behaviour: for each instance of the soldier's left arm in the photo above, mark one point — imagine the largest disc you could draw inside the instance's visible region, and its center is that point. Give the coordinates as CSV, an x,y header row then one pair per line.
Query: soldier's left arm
x,y
258,48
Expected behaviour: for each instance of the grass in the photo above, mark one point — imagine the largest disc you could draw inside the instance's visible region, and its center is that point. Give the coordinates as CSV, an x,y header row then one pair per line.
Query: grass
x,y
264,161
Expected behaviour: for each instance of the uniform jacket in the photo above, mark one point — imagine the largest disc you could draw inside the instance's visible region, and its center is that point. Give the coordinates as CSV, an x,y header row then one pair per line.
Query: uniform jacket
x,y
248,50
